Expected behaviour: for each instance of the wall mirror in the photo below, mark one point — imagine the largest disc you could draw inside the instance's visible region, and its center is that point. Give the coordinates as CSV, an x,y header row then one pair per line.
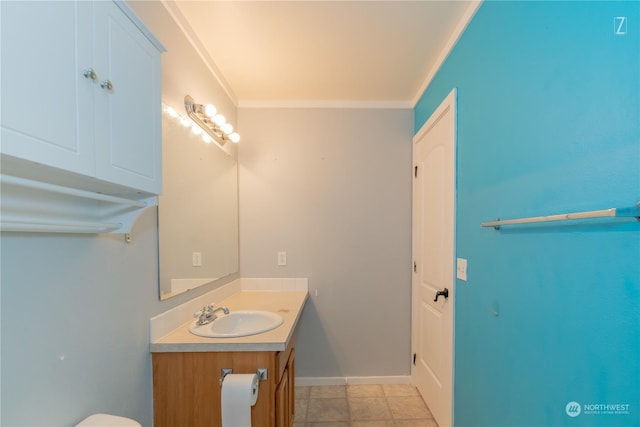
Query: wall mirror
x,y
197,211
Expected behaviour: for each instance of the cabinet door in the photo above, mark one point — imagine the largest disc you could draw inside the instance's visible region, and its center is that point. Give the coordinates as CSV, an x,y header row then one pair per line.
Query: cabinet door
x,y
291,371
285,394
283,410
47,114
128,127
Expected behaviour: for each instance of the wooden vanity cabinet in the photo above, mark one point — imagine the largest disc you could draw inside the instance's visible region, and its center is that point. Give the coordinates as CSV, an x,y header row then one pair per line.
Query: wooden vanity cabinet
x,y
187,392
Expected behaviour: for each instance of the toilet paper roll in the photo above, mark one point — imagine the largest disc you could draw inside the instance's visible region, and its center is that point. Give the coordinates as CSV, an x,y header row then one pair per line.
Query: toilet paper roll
x,y
239,394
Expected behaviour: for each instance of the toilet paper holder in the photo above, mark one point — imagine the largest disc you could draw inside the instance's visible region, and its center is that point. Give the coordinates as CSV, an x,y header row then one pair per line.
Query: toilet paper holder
x,y
260,372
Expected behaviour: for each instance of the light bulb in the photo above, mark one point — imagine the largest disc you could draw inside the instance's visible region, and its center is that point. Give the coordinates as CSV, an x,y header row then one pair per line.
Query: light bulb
x,y
185,122
219,120
234,137
196,129
227,128
170,111
206,138
210,110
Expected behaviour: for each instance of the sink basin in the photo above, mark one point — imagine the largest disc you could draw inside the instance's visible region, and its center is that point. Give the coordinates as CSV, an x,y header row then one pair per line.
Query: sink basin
x,y
238,324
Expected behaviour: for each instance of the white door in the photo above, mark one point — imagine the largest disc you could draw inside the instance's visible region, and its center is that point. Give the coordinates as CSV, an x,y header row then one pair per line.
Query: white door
x,y
433,255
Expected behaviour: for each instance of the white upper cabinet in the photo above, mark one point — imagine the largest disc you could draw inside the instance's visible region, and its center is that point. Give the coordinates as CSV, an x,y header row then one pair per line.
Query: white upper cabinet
x,y
81,93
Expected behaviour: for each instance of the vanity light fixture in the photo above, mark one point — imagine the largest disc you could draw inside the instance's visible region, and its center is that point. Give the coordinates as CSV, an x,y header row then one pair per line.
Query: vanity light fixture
x,y
184,121
212,123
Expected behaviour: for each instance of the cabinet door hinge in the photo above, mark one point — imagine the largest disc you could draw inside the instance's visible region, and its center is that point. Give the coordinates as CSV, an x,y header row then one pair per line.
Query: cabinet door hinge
x,y
414,359
415,171
415,267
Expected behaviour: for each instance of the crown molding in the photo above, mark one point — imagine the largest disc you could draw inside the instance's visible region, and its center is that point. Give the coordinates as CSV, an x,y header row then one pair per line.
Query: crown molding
x,y
185,27
468,15
325,104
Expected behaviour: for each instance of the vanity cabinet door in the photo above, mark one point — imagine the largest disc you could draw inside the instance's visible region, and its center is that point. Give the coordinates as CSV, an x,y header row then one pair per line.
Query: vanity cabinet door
x,y
127,104
292,386
282,402
285,395
47,114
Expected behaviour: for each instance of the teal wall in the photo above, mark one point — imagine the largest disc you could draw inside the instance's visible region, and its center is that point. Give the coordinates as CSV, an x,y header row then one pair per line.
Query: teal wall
x,y
548,122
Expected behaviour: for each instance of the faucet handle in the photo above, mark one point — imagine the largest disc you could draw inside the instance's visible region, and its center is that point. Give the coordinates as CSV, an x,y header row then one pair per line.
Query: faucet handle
x,y
201,312
205,310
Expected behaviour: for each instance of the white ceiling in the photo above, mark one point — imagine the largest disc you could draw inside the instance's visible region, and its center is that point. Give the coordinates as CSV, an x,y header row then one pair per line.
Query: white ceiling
x,y
323,51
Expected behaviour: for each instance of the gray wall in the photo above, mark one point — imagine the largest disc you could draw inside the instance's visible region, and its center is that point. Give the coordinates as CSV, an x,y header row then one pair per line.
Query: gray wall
x,y
332,188
75,313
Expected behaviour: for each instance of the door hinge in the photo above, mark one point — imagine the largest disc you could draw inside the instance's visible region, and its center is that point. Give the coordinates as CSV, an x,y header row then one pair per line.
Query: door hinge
x,y
415,171
415,267
414,359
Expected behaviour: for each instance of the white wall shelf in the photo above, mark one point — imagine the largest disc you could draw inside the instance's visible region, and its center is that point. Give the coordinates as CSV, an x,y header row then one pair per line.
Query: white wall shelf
x,y
30,205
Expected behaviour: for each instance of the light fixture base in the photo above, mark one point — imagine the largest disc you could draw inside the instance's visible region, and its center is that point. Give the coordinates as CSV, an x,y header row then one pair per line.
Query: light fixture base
x,y
196,112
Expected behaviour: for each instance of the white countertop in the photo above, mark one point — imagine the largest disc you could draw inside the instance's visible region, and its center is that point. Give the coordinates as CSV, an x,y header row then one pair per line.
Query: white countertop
x,y
287,304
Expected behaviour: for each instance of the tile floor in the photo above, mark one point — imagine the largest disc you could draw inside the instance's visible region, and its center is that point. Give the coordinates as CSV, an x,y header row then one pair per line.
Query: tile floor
x,y
388,405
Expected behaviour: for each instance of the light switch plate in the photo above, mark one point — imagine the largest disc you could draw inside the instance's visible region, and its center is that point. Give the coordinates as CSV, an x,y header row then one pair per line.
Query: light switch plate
x,y
461,269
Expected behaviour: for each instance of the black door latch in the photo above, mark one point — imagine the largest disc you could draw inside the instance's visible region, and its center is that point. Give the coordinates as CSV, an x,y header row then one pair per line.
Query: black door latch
x,y
444,293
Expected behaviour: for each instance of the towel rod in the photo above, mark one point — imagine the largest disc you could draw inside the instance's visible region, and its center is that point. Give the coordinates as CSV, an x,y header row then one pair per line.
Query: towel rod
x,y
632,212
9,223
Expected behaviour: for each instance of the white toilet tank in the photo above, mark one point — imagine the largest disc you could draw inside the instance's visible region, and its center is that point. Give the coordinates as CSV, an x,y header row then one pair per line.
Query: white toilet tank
x,y
104,420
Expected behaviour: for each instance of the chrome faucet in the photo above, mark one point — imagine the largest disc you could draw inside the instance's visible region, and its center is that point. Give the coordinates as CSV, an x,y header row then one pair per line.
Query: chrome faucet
x,y
208,314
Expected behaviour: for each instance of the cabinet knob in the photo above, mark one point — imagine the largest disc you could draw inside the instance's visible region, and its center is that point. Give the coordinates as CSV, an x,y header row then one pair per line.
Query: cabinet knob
x,y
106,85
90,73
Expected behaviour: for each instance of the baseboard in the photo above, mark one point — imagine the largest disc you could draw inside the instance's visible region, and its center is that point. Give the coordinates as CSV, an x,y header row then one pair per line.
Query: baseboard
x,y
309,381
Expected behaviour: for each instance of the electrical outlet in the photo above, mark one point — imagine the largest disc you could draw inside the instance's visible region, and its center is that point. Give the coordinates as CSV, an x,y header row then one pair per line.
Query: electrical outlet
x,y
196,259
282,258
